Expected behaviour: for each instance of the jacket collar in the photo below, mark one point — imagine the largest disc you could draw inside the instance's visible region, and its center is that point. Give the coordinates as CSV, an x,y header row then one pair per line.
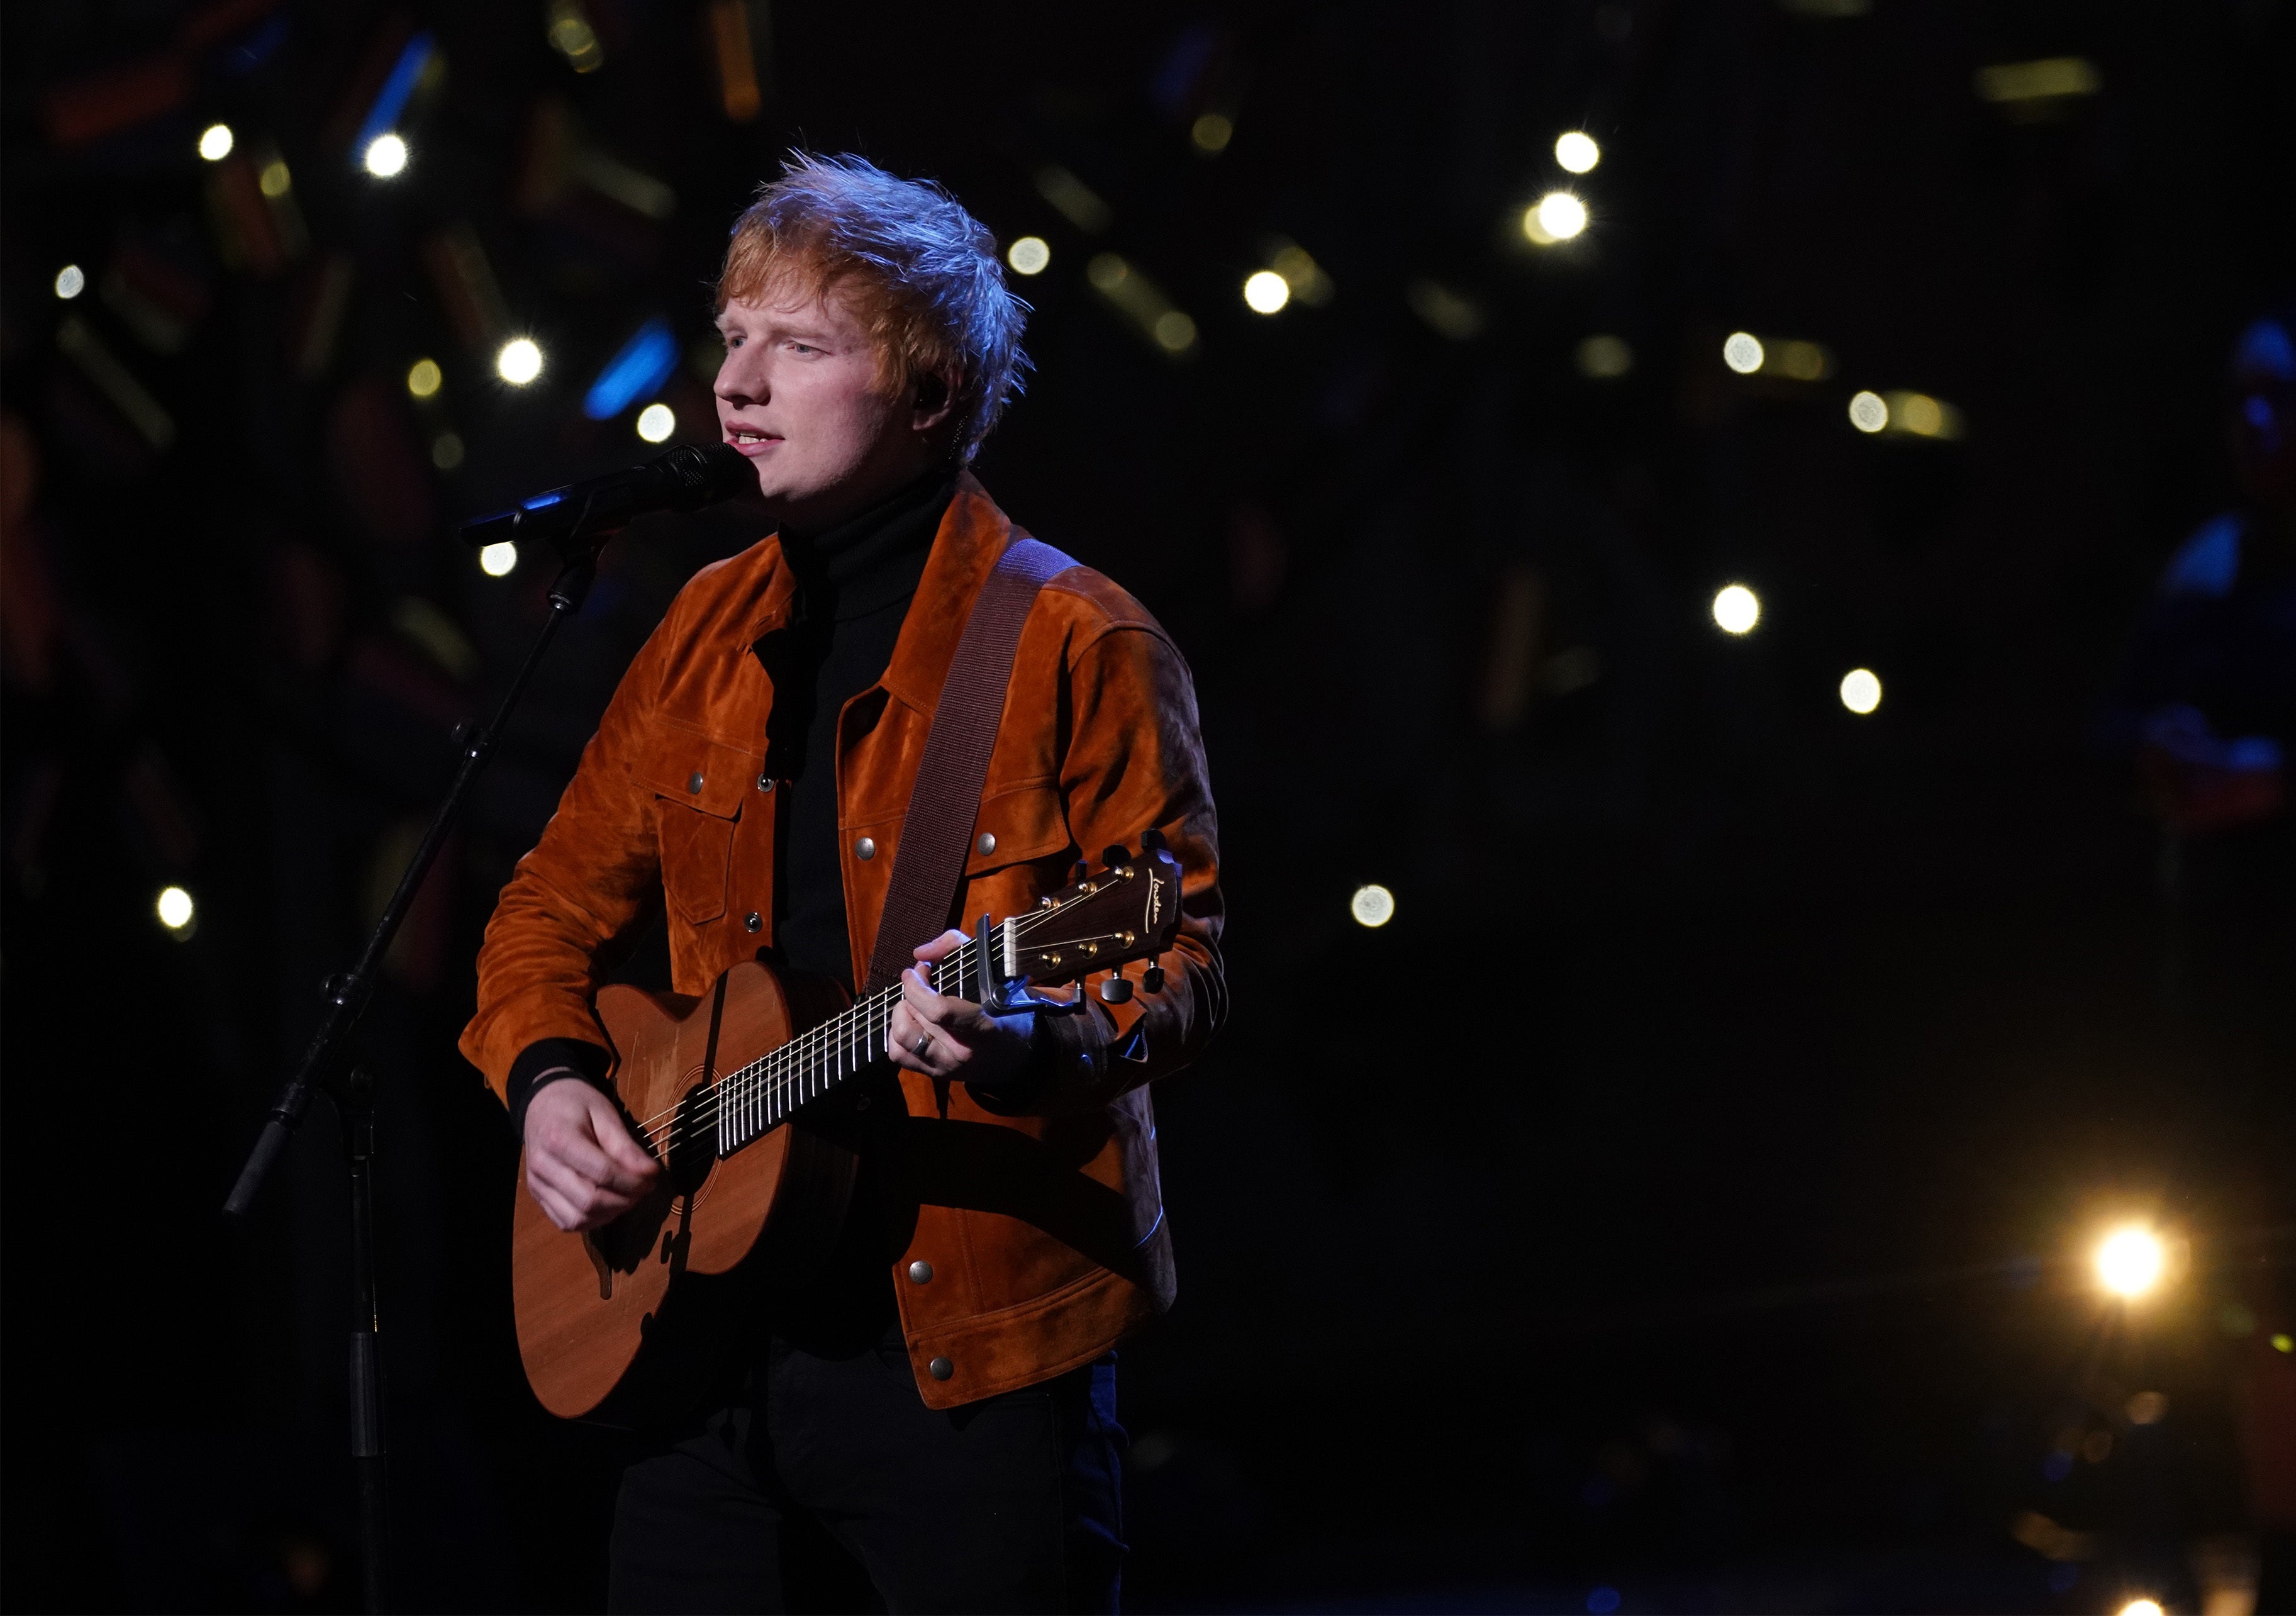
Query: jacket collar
x,y
973,538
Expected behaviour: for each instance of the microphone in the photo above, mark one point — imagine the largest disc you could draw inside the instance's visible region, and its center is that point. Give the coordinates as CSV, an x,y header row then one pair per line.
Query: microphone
x,y
684,479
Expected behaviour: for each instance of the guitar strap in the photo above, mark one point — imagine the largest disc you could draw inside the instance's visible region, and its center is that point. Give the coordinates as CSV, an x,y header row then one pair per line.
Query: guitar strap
x,y
944,803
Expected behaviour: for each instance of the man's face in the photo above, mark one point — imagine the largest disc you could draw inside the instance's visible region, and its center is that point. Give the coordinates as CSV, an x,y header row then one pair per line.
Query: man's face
x,y
798,395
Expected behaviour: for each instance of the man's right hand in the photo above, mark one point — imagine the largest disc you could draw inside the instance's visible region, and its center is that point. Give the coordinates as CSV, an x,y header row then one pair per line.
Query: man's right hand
x,y
582,1167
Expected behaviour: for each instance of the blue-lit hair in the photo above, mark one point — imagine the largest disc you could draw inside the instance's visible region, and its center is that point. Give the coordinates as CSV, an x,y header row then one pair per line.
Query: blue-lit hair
x,y
920,273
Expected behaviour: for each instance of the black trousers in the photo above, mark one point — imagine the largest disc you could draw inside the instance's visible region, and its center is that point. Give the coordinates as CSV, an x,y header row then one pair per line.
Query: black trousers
x,y
833,1486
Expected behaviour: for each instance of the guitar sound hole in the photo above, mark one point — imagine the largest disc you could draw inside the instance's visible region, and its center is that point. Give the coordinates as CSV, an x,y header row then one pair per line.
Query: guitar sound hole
x,y
694,1140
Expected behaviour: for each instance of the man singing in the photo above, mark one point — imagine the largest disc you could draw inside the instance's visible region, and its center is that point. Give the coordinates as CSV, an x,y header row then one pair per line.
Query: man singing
x,y
940,1399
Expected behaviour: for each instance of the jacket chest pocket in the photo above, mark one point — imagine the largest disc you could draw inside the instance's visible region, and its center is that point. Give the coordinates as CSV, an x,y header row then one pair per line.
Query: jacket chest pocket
x,y
698,786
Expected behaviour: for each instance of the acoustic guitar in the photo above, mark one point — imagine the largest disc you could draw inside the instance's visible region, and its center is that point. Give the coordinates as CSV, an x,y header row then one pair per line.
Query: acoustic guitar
x,y
722,1088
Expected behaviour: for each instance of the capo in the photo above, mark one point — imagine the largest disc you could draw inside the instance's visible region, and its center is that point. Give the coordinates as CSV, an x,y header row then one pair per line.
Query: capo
x,y
1001,995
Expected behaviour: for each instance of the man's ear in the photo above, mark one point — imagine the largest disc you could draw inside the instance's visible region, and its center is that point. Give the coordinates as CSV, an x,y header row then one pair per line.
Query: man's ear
x,y
931,399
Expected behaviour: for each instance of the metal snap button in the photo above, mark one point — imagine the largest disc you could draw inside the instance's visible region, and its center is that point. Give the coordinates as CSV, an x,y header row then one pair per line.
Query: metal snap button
x,y
695,785
940,1369
765,783
865,848
921,1271
755,921
986,844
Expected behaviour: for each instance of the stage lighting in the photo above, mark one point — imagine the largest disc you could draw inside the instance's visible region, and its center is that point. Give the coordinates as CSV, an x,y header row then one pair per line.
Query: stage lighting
x,y
1605,358
1741,351
519,361
1868,413
423,377
2141,1607
1737,609
639,367
1211,133
1372,905
1861,691
275,181
1556,217
1175,333
71,281
175,908
214,141
1265,293
2130,1261
1029,255
495,560
447,451
1576,152
386,156
656,422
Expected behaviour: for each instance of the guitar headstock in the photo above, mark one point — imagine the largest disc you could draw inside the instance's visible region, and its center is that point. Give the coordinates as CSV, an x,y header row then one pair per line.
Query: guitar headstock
x,y
1131,910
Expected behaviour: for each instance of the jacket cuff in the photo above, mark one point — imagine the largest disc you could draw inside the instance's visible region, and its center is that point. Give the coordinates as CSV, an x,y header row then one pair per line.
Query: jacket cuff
x,y
544,1062
1065,1052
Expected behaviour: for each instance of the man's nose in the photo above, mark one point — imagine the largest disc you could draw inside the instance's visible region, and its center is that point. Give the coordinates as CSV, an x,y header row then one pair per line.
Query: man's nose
x,y
742,381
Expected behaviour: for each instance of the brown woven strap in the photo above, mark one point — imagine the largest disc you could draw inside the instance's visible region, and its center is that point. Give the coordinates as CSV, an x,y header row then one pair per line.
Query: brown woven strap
x,y
946,800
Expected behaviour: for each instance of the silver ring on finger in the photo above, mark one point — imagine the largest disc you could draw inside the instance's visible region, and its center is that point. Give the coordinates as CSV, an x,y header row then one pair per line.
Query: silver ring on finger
x,y
922,1047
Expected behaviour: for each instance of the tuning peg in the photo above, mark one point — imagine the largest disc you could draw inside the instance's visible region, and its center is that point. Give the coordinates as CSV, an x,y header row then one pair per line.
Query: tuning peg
x,y
1114,855
1116,990
1078,873
1153,979
1151,840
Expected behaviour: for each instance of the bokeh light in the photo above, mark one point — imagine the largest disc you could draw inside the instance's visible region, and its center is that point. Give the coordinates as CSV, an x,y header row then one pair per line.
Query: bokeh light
x,y
497,560
386,156
1868,413
1737,609
1741,351
1605,358
175,908
1576,152
1175,333
1861,690
1371,904
1211,133
1265,293
1029,255
2142,1607
275,181
216,142
2130,1261
424,377
71,281
519,361
656,422
1556,217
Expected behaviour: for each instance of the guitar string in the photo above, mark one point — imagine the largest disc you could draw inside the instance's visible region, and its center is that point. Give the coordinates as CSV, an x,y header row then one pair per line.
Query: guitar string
x,y
800,1064
799,1053
760,1095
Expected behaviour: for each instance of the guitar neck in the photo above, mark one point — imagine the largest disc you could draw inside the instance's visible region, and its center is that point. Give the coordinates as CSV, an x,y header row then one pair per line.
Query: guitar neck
x,y
763,1095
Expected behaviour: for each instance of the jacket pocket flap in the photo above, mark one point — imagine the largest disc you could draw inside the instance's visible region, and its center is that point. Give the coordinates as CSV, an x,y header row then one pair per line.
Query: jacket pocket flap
x,y
693,769
1014,826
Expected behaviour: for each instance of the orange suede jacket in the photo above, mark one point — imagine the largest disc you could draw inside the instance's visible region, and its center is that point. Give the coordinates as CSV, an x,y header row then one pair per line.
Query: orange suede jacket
x,y
1045,1231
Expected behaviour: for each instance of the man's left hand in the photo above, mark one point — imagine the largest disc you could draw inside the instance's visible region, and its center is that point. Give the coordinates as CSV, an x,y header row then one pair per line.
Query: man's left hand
x,y
952,1037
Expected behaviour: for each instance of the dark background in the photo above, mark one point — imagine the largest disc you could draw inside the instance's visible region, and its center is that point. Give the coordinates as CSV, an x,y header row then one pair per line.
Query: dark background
x,y
1688,1195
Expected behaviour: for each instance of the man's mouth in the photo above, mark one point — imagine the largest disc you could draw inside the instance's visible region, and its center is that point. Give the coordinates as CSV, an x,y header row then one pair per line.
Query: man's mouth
x,y
752,440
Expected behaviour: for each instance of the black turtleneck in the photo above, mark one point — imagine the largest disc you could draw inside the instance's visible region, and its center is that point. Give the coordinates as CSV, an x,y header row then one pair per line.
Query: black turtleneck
x,y
855,583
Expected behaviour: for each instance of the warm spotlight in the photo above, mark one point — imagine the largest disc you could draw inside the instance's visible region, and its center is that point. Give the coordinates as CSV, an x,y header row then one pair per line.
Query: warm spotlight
x,y
1737,609
175,908
71,281
2130,1261
1868,413
1211,133
1577,152
1372,905
1264,291
2141,1607
423,377
656,422
519,361
386,156
1741,351
1029,255
214,141
497,560
1861,691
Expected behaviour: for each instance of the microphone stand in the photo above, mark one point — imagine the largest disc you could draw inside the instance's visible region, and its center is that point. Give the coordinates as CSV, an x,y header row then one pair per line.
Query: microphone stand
x,y
330,1064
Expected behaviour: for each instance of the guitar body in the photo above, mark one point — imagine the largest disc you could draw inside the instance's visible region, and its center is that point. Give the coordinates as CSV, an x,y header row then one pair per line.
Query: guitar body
x,y
589,1305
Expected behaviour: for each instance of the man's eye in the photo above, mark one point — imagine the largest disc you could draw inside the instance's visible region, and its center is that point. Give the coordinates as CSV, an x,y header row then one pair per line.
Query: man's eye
x,y
805,347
